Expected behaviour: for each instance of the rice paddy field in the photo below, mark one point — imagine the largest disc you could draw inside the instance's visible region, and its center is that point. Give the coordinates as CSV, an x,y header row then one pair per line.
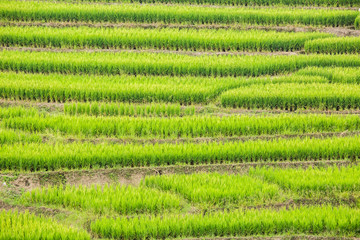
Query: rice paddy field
x,y
179,119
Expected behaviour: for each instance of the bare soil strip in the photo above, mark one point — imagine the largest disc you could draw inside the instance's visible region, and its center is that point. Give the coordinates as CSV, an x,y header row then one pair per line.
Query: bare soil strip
x,y
36,210
191,53
199,109
338,31
133,176
154,141
291,237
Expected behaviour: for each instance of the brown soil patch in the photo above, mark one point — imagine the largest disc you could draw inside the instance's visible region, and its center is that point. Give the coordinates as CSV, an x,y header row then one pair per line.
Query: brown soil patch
x,y
204,139
26,182
302,237
134,175
35,210
217,111
40,105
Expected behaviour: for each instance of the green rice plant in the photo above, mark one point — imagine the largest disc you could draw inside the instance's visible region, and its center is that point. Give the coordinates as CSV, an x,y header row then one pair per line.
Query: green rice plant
x,y
237,2
134,89
216,188
125,109
10,112
304,181
165,63
34,156
346,45
105,199
303,220
357,23
293,96
157,38
26,226
187,126
152,13
10,136
333,74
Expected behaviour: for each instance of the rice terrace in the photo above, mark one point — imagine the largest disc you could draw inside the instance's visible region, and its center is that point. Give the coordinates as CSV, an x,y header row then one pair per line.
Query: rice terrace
x,y
179,119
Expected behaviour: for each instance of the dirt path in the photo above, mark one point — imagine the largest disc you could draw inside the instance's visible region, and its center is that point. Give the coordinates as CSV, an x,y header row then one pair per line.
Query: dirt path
x,y
36,210
199,140
199,109
133,176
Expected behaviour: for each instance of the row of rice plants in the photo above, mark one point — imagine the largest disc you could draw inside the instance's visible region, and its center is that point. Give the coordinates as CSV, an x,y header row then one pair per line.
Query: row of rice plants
x,y
357,22
105,199
303,220
8,136
216,188
19,111
125,88
126,109
294,96
187,126
26,226
333,74
346,45
153,13
166,64
34,157
305,181
157,38
332,3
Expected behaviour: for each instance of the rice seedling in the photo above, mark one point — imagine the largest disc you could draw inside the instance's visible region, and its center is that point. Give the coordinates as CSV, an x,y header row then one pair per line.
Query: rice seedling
x,y
162,38
345,45
34,156
216,188
237,2
153,13
16,225
294,96
10,112
105,199
304,181
10,136
126,109
303,220
334,74
165,64
187,126
124,88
